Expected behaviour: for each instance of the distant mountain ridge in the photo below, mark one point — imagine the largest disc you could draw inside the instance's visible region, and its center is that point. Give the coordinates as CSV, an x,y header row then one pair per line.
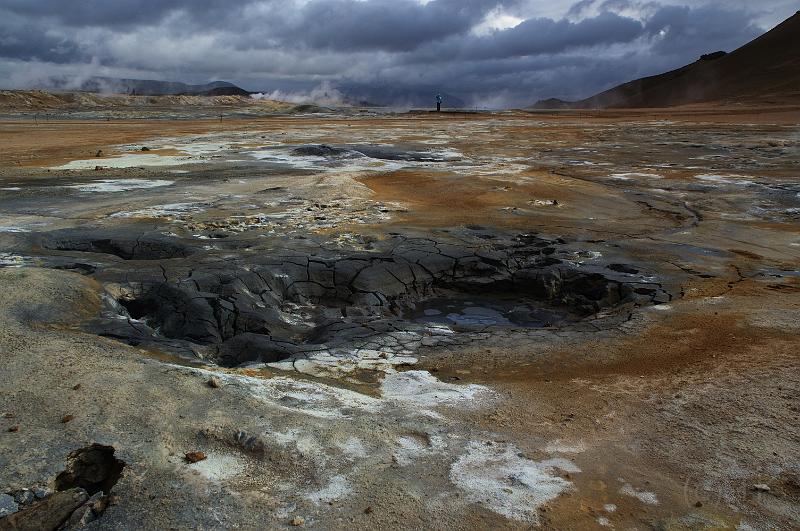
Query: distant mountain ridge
x,y
146,87
766,69
354,94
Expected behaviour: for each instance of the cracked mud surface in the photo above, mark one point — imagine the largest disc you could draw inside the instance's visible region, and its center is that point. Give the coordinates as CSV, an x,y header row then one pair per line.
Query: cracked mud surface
x,y
498,320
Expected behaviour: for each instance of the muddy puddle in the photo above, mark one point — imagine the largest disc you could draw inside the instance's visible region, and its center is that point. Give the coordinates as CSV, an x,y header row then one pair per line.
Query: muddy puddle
x,y
462,312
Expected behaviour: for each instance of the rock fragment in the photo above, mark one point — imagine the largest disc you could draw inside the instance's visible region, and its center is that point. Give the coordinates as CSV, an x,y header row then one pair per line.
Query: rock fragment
x,y
194,457
82,516
24,497
7,505
49,513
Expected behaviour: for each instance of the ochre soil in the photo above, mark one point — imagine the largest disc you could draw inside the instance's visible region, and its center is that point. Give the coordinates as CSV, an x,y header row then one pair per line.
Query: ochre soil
x,y
51,142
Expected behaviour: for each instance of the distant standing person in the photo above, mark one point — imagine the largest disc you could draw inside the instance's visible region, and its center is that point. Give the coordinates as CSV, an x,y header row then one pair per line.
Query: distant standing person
x,y
439,102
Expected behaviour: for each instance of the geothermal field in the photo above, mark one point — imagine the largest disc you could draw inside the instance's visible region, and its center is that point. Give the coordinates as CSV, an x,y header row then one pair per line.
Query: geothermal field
x,y
367,320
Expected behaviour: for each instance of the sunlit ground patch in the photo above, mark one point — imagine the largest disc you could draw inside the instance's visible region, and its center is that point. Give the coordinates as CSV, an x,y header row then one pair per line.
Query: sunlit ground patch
x,y
120,185
129,161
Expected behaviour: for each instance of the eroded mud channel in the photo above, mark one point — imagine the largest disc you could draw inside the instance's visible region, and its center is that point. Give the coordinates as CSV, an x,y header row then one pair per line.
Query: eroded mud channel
x,y
384,295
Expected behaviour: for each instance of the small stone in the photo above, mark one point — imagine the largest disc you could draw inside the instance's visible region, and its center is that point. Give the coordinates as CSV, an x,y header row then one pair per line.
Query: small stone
x,y
99,502
82,516
145,148
24,497
41,492
8,415
100,506
13,429
67,418
297,521
213,382
7,505
368,510
698,504
194,457
760,487
76,387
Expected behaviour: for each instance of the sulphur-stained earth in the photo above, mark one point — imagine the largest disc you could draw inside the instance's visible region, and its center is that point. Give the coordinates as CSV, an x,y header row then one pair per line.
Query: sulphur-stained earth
x,y
402,321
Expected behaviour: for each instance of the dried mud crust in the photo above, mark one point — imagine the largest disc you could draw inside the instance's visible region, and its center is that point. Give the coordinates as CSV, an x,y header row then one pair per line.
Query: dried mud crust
x,y
267,307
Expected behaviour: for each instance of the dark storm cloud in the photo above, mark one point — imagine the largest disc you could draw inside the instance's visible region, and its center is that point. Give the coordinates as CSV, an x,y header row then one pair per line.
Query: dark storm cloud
x,y
691,31
27,41
486,51
539,36
109,13
388,25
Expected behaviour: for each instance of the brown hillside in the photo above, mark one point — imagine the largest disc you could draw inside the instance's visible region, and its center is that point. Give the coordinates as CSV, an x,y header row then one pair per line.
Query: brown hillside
x,y
765,70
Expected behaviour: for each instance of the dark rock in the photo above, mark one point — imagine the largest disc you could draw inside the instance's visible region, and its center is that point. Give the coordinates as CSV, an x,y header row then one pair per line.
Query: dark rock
x,y
24,497
320,150
8,505
248,347
153,246
622,268
712,56
82,516
194,457
394,153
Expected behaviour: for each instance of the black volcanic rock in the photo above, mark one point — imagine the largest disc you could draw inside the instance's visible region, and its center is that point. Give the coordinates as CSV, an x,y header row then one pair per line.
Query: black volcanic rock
x,y
713,56
224,91
551,103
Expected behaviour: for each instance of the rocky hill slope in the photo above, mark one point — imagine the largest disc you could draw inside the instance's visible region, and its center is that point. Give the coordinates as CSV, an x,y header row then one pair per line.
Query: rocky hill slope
x,y
766,70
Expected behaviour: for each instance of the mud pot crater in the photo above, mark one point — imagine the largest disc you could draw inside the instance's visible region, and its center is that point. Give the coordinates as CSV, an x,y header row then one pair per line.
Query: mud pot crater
x,y
265,307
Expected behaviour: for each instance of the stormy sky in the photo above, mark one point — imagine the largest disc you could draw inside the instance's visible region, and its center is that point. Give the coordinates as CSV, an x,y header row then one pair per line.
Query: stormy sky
x,y
490,53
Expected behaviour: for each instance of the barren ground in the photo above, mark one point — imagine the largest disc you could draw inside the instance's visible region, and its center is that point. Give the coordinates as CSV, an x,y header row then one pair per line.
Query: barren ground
x,y
510,320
